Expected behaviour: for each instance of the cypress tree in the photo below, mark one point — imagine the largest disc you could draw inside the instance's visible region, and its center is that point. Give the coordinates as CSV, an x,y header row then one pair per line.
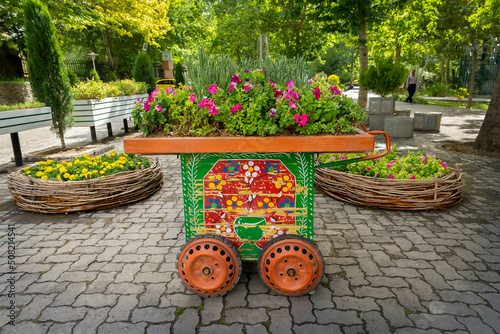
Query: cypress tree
x,y
143,71
179,74
48,74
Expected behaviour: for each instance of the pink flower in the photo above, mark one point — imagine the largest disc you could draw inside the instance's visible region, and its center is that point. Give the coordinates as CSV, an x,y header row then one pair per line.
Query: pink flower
x,y
191,87
277,93
444,165
260,71
147,106
271,83
335,90
292,105
301,120
235,78
210,105
213,89
391,176
317,93
310,81
172,90
192,98
367,169
214,110
235,108
272,112
412,177
289,85
295,95
232,86
247,87
158,107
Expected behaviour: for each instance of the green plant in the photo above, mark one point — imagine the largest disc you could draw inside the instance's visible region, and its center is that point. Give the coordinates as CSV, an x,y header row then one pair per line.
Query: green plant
x,y
461,93
413,166
384,77
143,71
98,90
438,89
73,78
93,75
24,105
179,74
113,77
334,80
48,76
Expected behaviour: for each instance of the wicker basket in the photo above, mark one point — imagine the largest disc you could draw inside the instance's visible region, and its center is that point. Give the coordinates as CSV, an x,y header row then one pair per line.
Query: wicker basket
x,y
438,193
47,196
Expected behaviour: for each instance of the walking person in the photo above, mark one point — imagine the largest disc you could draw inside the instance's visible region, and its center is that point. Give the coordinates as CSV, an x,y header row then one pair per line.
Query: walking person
x,y
411,86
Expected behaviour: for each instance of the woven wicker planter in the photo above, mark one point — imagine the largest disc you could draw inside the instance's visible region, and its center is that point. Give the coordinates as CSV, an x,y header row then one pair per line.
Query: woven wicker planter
x,y
47,196
438,193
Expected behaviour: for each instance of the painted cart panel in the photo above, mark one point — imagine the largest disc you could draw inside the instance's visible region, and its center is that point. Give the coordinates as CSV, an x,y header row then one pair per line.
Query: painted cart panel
x,y
248,198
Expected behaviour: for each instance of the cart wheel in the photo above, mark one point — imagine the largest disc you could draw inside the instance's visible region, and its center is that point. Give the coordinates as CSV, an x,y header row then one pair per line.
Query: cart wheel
x,y
291,265
209,265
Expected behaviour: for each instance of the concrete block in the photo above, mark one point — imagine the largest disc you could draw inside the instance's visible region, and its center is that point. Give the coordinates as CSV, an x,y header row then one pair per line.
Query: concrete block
x,y
399,126
402,112
428,121
381,105
377,121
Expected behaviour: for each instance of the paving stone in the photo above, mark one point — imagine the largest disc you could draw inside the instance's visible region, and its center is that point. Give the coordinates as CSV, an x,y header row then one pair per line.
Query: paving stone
x,y
77,276
394,313
92,320
256,285
368,291
369,267
408,299
322,298
128,273
446,270
100,284
262,300
46,288
59,328
212,310
423,290
232,329
396,282
461,285
442,322
465,297
475,325
355,275
400,272
63,314
281,321
151,297
183,300
26,327
465,254
439,307
238,296
187,322
417,264
353,303
301,310
33,309
338,317
153,314
247,316
315,328
122,327
434,279
375,323
68,296
489,316
108,254
95,300
125,288
123,308
55,271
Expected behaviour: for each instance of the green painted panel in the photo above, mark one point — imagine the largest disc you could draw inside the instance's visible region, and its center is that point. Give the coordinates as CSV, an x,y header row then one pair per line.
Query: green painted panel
x,y
248,198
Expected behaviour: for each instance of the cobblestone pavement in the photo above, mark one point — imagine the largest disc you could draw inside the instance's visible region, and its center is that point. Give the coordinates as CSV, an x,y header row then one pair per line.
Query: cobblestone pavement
x,y
113,271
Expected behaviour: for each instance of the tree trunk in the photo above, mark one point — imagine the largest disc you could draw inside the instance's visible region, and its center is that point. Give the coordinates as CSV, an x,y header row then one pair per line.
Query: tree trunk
x,y
63,143
107,44
363,63
473,76
488,138
397,53
448,62
442,69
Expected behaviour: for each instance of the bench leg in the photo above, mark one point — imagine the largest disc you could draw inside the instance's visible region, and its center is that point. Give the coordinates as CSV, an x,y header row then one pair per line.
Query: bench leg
x,y
16,146
110,130
93,134
125,125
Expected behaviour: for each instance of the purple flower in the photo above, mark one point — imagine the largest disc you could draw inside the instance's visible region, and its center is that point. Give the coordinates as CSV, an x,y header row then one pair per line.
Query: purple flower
x,y
172,90
192,98
213,89
272,112
247,71
317,93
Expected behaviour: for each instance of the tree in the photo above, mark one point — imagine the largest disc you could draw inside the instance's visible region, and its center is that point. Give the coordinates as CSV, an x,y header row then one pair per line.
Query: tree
x,y
384,77
179,74
48,76
143,71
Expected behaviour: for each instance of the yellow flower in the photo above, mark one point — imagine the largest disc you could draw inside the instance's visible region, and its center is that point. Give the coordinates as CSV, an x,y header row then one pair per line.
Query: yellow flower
x,y
38,174
138,162
44,177
101,172
58,166
50,161
76,161
69,164
41,163
84,171
113,154
28,172
95,171
62,170
64,162
58,177
66,175
49,169
26,168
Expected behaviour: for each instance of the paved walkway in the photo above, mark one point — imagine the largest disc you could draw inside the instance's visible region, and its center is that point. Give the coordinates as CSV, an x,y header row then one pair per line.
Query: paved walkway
x,y
113,271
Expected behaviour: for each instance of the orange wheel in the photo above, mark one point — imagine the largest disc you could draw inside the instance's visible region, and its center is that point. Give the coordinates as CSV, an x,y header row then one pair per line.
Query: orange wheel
x,y
209,265
291,265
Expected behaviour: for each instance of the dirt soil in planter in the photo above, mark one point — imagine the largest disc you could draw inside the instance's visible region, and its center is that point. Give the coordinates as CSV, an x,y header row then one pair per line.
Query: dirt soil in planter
x,y
468,148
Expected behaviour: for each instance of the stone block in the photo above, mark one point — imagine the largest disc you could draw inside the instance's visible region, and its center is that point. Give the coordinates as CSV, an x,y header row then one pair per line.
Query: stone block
x,y
366,121
399,126
377,121
381,105
427,121
402,112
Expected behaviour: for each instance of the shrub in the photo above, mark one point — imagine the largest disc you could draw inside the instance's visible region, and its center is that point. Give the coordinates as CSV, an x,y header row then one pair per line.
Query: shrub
x,y
93,75
73,78
412,166
48,76
143,71
112,76
384,77
85,167
98,90
438,89
179,74
129,87
334,80
24,105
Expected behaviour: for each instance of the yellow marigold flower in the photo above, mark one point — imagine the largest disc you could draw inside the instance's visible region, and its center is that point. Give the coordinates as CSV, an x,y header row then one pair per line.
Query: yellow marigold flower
x,y
95,171
62,170
41,163
76,161
113,154
58,166
69,164
38,174
26,168
64,162
44,177
50,161
66,175
49,169
28,172
139,162
84,171
59,177
101,172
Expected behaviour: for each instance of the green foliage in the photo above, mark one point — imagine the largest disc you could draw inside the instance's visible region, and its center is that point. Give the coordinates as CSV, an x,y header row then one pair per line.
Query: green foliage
x,y
461,93
73,78
48,76
384,77
112,76
93,75
86,167
412,166
143,71
252,106
438,90
92,89
24,105
179,74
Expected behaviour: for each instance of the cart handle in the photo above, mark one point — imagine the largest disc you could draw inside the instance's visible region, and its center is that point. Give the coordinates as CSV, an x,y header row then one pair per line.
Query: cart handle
x,y
368,157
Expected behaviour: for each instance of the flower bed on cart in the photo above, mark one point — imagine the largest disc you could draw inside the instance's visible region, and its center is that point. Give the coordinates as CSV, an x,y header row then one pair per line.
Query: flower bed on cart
x,y
85,183
415,182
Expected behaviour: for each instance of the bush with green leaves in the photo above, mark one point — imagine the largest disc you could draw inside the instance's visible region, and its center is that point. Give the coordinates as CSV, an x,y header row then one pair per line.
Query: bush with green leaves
x,y
48,75
112,76
143,71
23,105
251,106
415,165
92,89
384,77
179,74
93,75
73,78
